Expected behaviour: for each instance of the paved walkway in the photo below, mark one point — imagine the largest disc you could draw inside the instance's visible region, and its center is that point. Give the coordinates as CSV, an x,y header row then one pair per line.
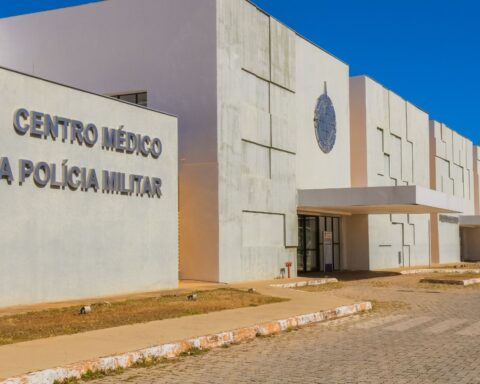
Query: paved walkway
x,y
435,340
21,358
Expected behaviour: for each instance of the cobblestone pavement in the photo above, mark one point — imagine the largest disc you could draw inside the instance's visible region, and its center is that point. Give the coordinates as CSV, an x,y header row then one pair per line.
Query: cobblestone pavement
x,y
435,340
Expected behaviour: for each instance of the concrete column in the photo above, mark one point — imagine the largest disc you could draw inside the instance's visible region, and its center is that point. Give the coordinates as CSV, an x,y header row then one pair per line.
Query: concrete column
x,y
434,246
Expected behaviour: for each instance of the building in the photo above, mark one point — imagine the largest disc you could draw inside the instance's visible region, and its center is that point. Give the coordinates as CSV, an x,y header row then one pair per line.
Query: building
x,y
80,203
283,158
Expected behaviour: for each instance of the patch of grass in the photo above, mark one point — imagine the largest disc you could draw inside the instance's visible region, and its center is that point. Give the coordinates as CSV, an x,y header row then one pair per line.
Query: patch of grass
x,y
91,375
380,284
64,321
70,380
388,306
94,375
447,276
228,345
322,287
453,276
262,336
439,287
148,362
194,351
145,362
431,286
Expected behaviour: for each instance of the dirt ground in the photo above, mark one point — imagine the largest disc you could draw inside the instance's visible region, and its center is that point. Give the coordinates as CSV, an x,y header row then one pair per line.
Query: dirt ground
x,y
389,279
68,320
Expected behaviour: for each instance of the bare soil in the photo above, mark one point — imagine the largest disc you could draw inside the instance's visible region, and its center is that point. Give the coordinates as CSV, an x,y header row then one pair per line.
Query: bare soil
x,y
453,276
321,287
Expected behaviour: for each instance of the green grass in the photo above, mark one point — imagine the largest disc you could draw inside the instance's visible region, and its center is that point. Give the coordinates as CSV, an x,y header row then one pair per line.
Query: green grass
x,y
193,352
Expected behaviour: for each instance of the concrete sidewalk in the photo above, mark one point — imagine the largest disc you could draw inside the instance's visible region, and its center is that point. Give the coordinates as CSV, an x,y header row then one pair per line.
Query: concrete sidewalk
x,y
21,358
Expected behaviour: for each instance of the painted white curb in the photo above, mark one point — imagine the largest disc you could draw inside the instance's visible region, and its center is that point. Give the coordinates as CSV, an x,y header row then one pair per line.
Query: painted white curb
x,y
170,350
305,283
438,270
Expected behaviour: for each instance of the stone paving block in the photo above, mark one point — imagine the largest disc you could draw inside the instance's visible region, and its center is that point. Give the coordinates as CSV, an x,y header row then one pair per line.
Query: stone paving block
x,y
440,343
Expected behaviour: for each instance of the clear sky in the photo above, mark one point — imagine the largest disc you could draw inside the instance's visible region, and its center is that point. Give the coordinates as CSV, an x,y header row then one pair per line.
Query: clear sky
x,y
427,51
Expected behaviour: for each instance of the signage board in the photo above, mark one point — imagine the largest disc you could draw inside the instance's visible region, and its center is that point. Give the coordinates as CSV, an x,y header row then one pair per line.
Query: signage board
x,y
328,250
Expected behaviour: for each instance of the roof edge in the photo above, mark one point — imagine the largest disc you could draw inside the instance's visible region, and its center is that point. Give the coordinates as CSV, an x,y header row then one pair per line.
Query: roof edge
x,y
85,91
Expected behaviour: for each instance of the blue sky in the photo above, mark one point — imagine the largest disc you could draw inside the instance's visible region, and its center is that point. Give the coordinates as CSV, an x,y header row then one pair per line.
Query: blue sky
x,y
428,51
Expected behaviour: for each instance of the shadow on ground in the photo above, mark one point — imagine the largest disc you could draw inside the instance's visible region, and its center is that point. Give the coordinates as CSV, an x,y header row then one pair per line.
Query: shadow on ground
x,y
351,275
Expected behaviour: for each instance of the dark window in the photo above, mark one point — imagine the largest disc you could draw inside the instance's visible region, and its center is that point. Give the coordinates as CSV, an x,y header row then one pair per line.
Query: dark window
x,y
139,98
311,247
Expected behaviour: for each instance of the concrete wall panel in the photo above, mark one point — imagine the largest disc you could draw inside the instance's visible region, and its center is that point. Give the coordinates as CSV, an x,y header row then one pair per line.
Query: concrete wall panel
x,y
256,160
70,244
449,242
357,242
396,136
317,71
454,170
262,230
255,39
257,192
282,104
255,111
419,144
282,50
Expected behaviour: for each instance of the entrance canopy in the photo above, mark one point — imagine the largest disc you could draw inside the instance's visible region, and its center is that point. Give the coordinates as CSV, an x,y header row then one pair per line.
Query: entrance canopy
x,y
378,200
472,221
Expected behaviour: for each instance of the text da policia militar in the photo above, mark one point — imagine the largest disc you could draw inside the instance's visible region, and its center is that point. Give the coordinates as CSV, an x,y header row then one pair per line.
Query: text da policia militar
x,y
45,126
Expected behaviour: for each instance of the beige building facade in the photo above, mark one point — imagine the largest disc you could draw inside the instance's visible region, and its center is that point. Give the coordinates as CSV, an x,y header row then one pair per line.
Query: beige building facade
x,y
284,160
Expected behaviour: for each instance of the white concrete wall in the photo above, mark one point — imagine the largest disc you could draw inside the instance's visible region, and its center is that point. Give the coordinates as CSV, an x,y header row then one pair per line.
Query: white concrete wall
x,y
164,47
392,144
356,246
59,244
476,179
315,70
454,175
256,143
269,80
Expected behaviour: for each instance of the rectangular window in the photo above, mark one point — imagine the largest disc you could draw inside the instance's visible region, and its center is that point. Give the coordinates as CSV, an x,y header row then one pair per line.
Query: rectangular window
x,y
139,98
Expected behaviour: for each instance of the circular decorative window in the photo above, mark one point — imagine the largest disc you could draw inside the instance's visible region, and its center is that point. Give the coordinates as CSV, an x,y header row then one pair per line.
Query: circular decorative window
x,y
325,122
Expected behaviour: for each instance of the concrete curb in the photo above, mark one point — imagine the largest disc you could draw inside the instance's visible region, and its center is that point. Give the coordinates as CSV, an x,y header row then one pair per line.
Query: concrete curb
x,y
305,283
171,350
439,270
464,282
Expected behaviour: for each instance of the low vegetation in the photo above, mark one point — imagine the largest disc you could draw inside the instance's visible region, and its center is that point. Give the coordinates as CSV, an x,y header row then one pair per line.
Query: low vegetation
x,y
65,321
453,276
388,306
380,284
322,287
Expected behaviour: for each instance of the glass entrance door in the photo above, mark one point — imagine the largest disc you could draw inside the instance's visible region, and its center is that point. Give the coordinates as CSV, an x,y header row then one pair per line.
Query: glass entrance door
x,y
318,243
311,241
